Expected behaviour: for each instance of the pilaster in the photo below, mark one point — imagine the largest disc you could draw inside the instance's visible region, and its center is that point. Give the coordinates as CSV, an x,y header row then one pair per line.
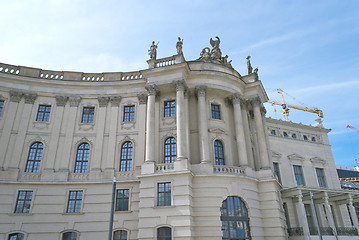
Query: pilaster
x,y
203,124
152,91
302,217
181,122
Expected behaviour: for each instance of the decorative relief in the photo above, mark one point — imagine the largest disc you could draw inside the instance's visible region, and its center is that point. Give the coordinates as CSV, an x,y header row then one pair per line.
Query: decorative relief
x,y
61,100
30,98
142,98
152,89
103,101
295,156
128,125
237,98
168,120
74,101
115,101
180,85
86,126
255,101
317,160
15,96
41,125
201,90
276,154
216,130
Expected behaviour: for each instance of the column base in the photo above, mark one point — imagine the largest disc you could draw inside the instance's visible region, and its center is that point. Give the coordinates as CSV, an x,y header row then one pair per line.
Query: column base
x,y
182,164
148,168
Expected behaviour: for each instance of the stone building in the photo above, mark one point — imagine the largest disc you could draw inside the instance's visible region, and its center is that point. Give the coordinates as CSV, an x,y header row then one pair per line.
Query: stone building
x,y
193,155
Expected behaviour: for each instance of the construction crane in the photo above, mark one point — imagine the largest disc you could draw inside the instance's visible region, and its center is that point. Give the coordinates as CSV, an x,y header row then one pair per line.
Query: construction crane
x,y
353,128
286,107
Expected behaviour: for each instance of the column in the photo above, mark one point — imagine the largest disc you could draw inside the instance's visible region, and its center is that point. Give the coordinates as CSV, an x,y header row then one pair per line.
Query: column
x,y
55,132
202,124
141,121
110,161
100,129
11,110
302,217
261,138
353,213
181,122
69,133
152,91
238,125
244,109
328,210
24,123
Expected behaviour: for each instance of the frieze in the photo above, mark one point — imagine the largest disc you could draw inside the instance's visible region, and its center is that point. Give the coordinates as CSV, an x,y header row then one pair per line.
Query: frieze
x,y
61,100
103,101
115,101
30,98
15,96
74,101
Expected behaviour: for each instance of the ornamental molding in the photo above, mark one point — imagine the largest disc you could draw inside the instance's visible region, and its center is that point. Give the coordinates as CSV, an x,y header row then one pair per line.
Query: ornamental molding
x,y
255,101
142,98
30,98
201,90
317,160
217,130
295,156
15,96
74,101
103,101
238,98
276,154
180,85
115,101
61,100
297,125
126,139
152,89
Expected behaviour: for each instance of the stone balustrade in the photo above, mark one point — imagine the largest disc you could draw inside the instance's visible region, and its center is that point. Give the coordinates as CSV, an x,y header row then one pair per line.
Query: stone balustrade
x,y
10,69
163,167
228,169
165,61
131,76
51,75
78,176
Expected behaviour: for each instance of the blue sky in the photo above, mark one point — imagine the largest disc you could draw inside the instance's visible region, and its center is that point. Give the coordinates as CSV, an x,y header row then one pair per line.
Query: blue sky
x,y
307,48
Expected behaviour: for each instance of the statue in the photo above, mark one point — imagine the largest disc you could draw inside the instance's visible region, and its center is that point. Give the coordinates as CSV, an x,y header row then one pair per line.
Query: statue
x,y
179,45
153,50
256,70
216,52
214,55
205,54
249,66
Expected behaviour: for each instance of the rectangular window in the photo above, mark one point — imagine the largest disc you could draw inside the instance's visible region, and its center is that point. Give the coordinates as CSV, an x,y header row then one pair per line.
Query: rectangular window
x,y
216,112
74,203
43,113
298,174
122,199
23,202
1,106
164,194
170,108
321,178
88,114
129,113
286,214
276,171
309,214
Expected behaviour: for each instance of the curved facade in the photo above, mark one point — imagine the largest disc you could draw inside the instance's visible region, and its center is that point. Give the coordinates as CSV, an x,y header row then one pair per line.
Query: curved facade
x,y
183,139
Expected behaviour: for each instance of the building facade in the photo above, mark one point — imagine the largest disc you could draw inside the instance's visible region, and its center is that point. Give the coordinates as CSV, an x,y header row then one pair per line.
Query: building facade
x,y
193,155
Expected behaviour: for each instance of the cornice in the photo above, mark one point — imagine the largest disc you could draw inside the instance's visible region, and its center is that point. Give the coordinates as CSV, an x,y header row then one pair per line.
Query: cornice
x,y
296,125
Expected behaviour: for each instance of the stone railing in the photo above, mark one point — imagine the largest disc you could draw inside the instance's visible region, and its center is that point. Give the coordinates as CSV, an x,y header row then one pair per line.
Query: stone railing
x,y
323,230
120,175
297,231
345,231
69,76
228,169
30,176
78,176
163,167
165,61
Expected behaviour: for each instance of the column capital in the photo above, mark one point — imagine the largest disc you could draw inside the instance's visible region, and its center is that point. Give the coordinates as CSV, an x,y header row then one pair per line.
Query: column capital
x,y
255,101
263,111
201,90
30,98
180,85
15,96
142,98
61,100
152,89
103,101
238,98
74,101
115,101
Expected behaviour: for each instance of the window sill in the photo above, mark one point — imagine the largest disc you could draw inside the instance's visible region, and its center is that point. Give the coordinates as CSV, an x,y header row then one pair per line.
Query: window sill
x,y
128,211
20,214
80,213
164,207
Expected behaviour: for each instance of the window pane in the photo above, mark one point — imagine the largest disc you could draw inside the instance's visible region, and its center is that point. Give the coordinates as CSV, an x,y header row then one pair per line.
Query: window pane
x,y
170,151
321,178
120,235
82,157
69,236
215,110
170,108
1,106
129,114
276,171
74,203
43,113
164,194
122,199
164,233
298,175
126,157
88,114
34,157
218,153
16,236
23,202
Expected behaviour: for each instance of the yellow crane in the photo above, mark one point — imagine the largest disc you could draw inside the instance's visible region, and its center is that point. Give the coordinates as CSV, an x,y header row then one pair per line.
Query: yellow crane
x,y
286,107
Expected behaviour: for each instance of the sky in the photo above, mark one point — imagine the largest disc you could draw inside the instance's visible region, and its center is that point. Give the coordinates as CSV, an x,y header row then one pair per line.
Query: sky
x,y
307,48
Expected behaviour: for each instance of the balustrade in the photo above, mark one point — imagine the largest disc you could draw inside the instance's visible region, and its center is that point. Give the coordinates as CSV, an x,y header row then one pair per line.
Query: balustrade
x,y
165,167
228,169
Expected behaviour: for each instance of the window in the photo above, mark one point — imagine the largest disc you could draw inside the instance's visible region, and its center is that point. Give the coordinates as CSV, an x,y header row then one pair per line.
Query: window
x,y
34,157
170,108
235,221
313,139
43,113
272,132
16,236
218,153
69,236
164,194
129,113
82,158
74,203
120,235
305,138
122,198
23,202
276,171
170,150
164,233
215,110
126,157
285,134
294,135
1,106
321,178
298,174
88,114
286,214
310,219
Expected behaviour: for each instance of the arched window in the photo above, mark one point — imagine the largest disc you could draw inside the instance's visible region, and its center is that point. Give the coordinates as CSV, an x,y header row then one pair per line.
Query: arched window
x,y
120,235
69,236
126,157
82,158
170,150
235,221
16,236
34,157
218,153
164,233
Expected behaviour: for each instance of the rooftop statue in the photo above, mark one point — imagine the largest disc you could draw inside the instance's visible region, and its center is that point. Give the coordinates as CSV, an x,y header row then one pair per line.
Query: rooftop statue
x,y
179,45
153,50
214,55
249,66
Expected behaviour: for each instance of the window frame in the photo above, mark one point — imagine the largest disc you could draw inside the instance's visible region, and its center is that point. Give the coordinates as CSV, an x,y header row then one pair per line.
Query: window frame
x,y
171,149
81,161
169,111
216,113
297,174
2,106
45,114
34,160
24,235
164,237
166,194
322,180
130,115
128,200
16,202
277,173
223,159
68,201
125,230
70,231
85,116
128,162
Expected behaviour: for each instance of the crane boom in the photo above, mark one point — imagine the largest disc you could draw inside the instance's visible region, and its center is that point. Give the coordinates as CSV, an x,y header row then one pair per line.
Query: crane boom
x,y
353,128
